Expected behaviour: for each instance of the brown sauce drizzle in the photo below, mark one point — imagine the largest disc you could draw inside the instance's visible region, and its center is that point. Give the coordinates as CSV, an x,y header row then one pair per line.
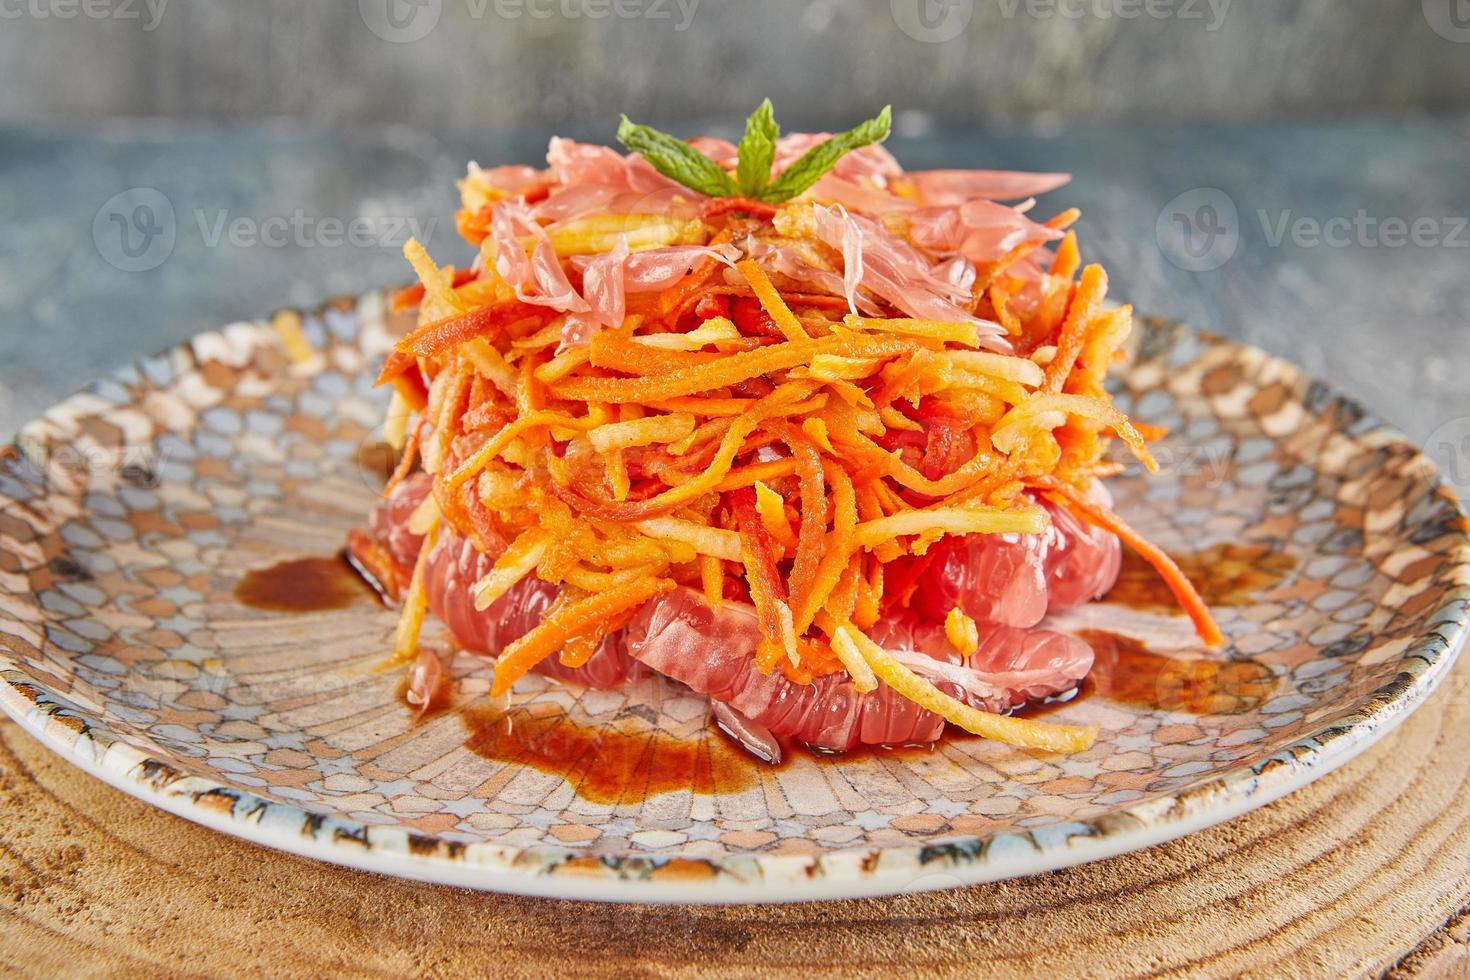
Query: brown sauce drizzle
x,y
304,585
1127,672
610,764
1225,575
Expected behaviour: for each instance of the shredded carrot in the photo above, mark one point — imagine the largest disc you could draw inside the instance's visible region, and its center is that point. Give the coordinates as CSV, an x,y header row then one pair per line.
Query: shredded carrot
x,y
842,601
771,301
1184,591
514,564
712,579
415,605
441,335
580,648
665,502
1064,263
869,596
694,380
395,364
836,550
1086,301
412,296
674,299
749,475
572,619
502,439
618,481
731,434
1000,301
767,593
704,407
406,460
809,537
617,351
772,508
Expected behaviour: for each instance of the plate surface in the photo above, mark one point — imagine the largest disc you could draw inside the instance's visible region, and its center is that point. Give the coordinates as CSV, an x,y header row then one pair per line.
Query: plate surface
x,y
1337,563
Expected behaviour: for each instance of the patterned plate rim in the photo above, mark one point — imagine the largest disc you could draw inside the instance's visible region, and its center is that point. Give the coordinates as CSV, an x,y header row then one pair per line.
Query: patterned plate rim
x,y
86,741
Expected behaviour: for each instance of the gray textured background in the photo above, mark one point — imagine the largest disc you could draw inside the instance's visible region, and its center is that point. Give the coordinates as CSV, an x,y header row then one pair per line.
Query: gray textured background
x,y
485,63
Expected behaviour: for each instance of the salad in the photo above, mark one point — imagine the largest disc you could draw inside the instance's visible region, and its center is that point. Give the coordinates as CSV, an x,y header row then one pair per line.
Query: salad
x,y
819,438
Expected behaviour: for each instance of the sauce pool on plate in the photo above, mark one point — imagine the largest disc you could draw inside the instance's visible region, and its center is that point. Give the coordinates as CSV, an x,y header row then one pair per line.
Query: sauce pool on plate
x,y
303,585
606,764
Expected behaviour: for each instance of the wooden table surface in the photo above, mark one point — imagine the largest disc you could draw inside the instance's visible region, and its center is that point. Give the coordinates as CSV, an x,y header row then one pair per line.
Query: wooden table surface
x,y
1365,872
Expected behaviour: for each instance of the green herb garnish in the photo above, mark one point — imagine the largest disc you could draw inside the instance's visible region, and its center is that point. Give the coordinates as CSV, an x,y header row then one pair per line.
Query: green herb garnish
x,y
679,161
757,150
676,159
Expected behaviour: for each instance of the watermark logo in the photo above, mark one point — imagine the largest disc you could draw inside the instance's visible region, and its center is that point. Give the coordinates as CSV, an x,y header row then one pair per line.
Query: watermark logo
x,y
681,12
932,21
1199,230
148,12
1211,13
1449,446
135,230
87,466
1450,19
1209,464
400,21
404,21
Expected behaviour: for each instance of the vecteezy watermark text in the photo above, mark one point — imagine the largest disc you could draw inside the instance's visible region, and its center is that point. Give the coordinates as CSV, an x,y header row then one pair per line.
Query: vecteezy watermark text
x,y
1200,229
1210,12
88,465
405,21
137,230
1363,230
301,230
681,12
1209,464
937,21
149,12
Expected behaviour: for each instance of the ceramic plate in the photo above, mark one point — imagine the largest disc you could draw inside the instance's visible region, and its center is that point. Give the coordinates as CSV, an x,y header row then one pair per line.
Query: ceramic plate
x,y
1336,561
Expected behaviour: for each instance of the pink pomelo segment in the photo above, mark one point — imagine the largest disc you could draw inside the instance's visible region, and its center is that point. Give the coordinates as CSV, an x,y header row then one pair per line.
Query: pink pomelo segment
x,y
1016,579
713,653
1006,582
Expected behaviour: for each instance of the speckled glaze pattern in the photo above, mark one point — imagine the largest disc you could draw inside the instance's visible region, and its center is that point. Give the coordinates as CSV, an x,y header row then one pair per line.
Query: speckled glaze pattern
x,y
130,511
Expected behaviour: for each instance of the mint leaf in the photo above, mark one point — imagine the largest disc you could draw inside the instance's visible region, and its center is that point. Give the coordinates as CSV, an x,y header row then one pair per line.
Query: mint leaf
x,y
757,150
676,159
821,158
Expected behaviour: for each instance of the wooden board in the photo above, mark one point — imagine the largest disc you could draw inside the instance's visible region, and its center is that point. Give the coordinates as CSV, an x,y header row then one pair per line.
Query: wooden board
x,y
1365,871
